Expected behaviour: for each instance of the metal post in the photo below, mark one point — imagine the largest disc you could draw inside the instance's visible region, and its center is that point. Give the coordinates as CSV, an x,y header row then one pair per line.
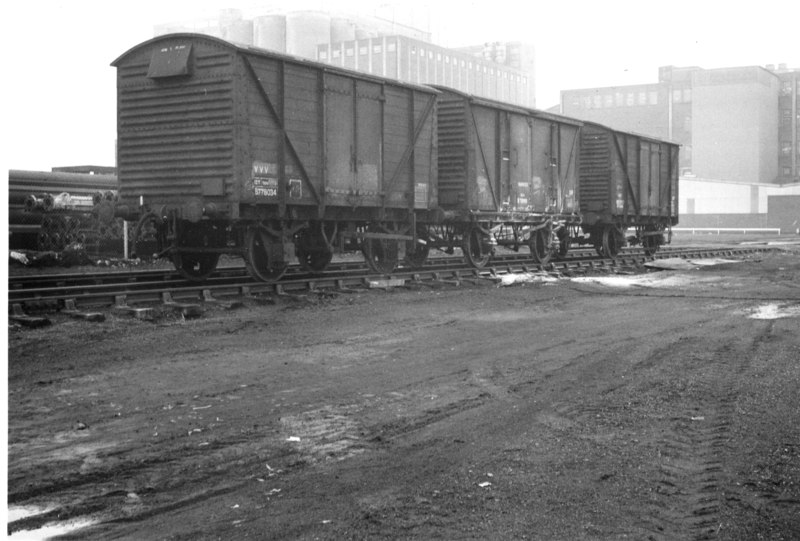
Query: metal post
x,y
125,238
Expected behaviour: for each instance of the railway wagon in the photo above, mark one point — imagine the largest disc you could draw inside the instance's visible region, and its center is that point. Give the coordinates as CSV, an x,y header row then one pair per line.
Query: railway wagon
x,y
627,181
507,176
224,148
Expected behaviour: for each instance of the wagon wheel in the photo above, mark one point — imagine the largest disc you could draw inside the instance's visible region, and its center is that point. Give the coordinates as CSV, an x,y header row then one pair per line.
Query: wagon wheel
x,y
312,250
195,266
417,253
380,254
539,244
474,247
613,241
257,259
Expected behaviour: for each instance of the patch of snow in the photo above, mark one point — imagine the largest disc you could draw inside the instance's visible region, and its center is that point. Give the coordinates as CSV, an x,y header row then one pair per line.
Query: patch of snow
x,y
48,531
525,278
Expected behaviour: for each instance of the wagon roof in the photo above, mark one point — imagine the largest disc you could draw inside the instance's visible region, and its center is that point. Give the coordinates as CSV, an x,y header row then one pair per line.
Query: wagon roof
x,y
650,138
251,49
478,100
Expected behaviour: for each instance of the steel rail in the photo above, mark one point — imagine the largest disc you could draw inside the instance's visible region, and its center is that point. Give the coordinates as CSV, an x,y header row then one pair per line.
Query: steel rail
x,y
181,294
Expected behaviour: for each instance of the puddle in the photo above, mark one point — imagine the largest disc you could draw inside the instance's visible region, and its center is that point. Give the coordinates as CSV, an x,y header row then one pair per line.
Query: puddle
x,y
775,311
47,531
678,263
640,280
713,261
499,317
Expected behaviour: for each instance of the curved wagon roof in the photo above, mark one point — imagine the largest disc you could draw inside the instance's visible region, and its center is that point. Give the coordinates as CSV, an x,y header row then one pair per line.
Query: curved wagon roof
x,y
267,53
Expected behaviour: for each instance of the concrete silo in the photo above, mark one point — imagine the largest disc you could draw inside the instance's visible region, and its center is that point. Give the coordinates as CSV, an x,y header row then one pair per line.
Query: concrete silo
x,y
305,30
269,32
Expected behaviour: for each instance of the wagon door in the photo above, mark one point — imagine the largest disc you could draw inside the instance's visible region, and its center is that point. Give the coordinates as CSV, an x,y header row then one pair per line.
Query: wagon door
x,y
520,162
668,169
340,137
353,135
545,159
368,144
567,167
649,174
484,194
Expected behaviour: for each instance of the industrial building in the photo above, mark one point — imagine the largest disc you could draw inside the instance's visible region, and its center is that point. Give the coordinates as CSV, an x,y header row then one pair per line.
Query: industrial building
x,y
415,61
500,70
738,129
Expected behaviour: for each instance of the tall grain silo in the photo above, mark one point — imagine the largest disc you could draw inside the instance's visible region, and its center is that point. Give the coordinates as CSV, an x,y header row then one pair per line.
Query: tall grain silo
x,y
305,30
238,32
269,32
342,30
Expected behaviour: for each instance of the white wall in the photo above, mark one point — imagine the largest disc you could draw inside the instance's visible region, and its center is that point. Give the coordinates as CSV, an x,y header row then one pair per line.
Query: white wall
x,y
721,197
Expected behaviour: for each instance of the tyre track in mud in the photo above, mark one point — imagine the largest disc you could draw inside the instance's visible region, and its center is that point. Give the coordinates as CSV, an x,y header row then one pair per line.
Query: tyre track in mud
x,y
168,478
693,477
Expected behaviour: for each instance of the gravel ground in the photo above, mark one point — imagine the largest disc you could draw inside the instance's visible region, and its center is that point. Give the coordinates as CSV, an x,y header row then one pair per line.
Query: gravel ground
x,y
660,405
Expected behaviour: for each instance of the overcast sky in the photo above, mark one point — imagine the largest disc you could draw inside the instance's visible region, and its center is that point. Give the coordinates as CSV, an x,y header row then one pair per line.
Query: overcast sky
x,y
60,90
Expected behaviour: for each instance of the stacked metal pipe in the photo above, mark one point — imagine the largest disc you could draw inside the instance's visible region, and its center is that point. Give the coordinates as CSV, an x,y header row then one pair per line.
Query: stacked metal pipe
x,y
50,210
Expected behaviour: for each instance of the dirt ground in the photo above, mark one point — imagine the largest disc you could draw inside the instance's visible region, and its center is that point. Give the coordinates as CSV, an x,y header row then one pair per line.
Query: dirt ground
x,y
661,405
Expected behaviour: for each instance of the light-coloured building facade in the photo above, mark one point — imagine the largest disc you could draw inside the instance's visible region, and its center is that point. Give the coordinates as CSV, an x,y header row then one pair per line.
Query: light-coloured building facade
x,y
502,71
415,61
734,124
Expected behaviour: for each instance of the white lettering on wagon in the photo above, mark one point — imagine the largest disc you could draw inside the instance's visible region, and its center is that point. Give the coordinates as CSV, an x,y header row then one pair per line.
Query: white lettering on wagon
x,y
265,179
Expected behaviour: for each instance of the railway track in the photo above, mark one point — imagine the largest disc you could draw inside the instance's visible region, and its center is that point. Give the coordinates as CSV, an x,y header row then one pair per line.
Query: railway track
x,y
136,292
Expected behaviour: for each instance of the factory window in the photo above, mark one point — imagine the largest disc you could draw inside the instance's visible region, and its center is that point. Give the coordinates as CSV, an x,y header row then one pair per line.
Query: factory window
x,y
609,100
463,63
446,59
323,55
598,101
413,50
687,95
687,123
439,57
421,51
630,99
786,148
376,48
470,65
348,52
676,96
336,53
619,99
786,117
484,69
786,88
362,50
653,98
642,98
430,55
391,47
787,171
587,102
